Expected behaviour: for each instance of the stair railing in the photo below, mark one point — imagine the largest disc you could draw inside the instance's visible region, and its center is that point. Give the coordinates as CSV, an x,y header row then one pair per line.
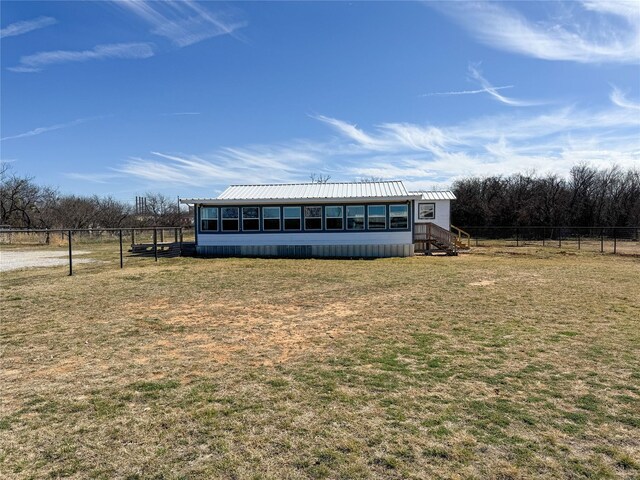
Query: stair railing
x,y
462,236
430,232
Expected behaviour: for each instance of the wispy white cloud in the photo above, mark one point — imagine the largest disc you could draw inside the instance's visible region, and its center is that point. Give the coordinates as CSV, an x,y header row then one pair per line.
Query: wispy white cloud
x,y
26,26
595,32
260,163
184,22
474,72
41,130
620,99
553,141
423,155
476,76
38,61
352,132
464,92
93,177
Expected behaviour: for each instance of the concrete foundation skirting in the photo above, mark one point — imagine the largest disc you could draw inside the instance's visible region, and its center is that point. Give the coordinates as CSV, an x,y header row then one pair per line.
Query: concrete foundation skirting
x,y
306,251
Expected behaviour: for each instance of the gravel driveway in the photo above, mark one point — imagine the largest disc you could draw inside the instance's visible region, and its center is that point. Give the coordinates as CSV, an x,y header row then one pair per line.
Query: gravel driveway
x,y
17,259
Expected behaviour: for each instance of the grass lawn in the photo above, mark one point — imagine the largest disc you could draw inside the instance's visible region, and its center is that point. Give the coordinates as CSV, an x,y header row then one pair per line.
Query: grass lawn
x,y
503,363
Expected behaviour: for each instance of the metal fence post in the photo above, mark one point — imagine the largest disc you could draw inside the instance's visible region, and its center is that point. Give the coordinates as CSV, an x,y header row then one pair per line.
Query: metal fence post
x,y
578,240
70,255
544,233
517,237
615,240
560,238
155,243
602,241
133,237
121,260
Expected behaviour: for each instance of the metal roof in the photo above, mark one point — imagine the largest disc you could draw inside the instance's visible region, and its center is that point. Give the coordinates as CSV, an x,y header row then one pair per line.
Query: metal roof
x,y
442,195
297,191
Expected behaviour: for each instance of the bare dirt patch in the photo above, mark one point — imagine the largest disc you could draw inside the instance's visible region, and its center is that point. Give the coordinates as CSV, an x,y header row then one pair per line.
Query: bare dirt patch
x,y
18,259
483,283
394,368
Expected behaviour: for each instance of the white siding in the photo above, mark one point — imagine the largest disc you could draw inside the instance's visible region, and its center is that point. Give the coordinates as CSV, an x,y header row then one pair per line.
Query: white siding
x,y
306,238
443,213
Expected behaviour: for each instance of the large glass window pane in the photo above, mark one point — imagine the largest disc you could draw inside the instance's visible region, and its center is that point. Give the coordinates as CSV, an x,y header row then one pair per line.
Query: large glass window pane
x,y
291,218
271,218
355,217
333,218
313,218
398,216
230,222
377,217
250,219
209,219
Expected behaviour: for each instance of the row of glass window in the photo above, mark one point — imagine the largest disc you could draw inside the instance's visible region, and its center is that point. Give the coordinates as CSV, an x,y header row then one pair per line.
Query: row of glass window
x,y
292,218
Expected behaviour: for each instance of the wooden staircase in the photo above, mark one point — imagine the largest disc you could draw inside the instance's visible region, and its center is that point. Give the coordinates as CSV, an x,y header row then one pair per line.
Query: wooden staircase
x,y
431,239
462,239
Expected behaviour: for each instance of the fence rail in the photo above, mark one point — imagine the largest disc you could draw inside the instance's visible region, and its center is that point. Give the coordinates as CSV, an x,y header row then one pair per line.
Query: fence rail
x,y
68,237
624,240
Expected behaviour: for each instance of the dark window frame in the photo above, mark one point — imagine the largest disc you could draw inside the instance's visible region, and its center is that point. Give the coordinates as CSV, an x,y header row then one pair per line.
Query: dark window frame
x,y
203,219
406,216
320,217
279,218
327,218
384,216
285,218
250,219
364,218
434,211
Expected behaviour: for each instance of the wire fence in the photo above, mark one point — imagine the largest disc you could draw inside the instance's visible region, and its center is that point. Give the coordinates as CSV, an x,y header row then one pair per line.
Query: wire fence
x,y
618,240
39,247
128,245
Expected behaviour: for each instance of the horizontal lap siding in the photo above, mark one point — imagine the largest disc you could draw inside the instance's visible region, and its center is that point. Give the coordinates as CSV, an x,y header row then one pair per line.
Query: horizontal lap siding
x,y
307,251
306,238
443,213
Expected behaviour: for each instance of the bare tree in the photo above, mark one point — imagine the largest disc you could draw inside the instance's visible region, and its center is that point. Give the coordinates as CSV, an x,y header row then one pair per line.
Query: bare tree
x,y
369,179
165,210
19,200
319,178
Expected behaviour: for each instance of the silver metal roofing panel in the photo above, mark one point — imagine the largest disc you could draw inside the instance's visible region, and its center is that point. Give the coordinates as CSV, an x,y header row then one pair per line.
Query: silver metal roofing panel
x,y
442,195
315,190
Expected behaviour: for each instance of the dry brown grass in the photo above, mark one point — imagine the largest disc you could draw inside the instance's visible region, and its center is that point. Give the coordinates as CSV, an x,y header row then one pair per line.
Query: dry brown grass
x,y
504,363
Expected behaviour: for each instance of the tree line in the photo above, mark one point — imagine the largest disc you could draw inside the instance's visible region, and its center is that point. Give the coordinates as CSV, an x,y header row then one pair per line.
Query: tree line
x,y
587,197
25,204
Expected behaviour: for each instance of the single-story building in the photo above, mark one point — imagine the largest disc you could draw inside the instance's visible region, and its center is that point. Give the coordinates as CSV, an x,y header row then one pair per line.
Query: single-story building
x,y
373,219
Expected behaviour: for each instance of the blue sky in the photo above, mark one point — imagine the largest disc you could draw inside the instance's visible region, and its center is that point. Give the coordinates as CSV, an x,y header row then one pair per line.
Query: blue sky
x,y
185,98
